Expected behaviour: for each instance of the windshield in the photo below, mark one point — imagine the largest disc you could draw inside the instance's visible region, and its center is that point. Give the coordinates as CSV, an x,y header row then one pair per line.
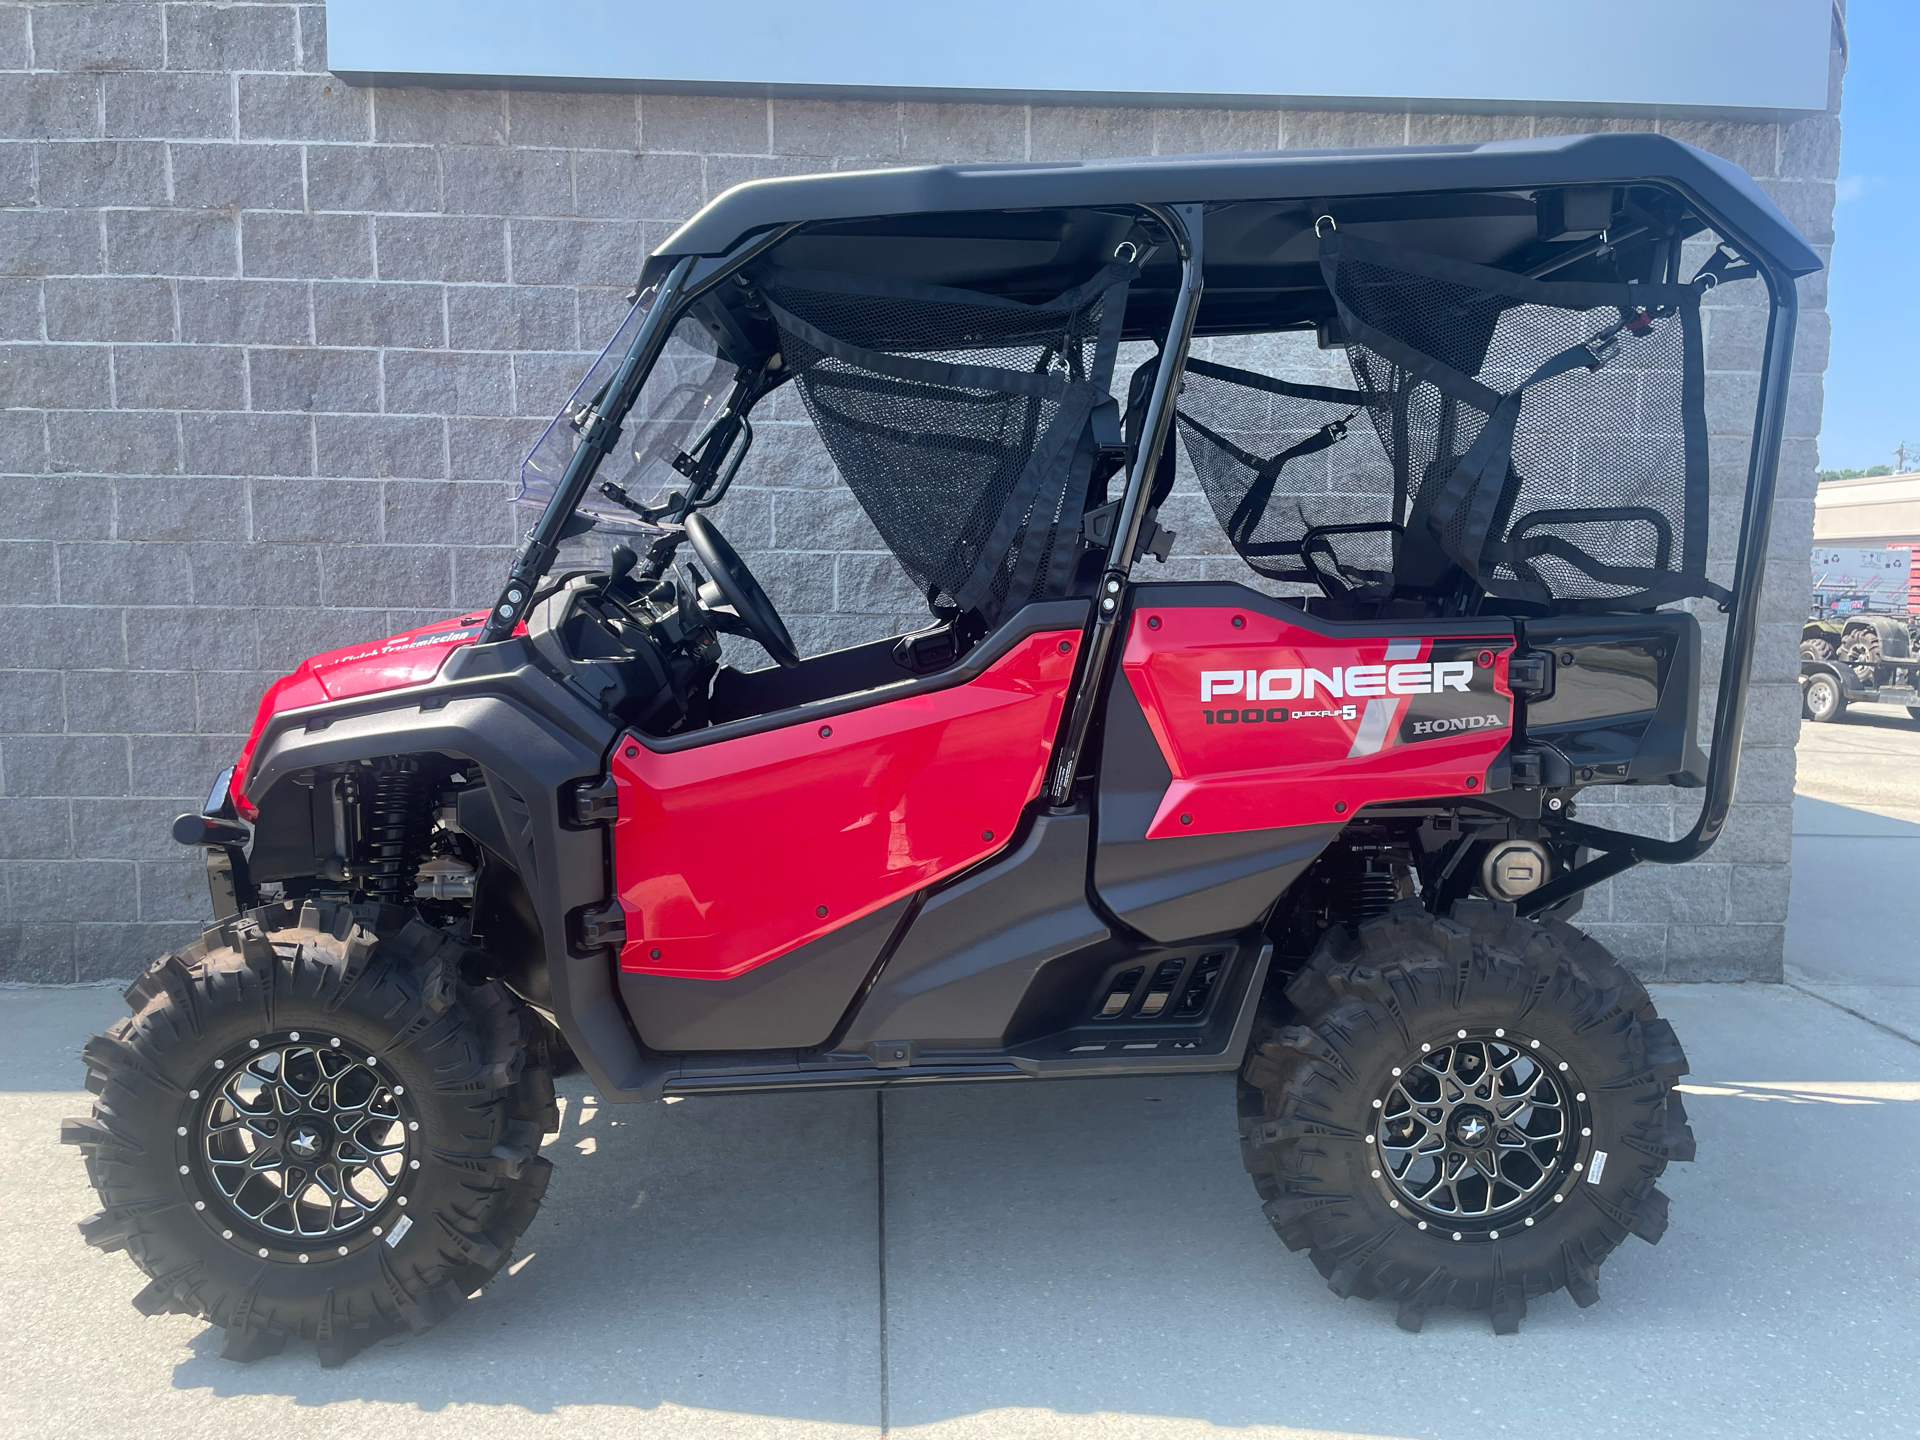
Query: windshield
x,y
682,395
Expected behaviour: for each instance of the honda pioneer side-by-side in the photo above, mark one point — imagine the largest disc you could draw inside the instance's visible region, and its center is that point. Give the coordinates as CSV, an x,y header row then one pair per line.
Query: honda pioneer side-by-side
x,y
1448,404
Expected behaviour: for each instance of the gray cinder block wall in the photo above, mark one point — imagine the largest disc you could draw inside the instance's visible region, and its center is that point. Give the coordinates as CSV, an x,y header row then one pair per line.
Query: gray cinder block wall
x,y
271,347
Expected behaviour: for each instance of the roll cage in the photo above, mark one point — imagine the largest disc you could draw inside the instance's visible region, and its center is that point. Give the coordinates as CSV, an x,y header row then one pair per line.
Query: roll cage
x,y
1225,246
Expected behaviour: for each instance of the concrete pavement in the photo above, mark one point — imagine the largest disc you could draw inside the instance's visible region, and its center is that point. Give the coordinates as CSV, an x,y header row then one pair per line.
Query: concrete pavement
x,y
1071,1259
1867,760
1853,923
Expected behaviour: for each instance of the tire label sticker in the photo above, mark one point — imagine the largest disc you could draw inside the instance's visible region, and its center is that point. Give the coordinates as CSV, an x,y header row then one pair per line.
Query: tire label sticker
x,y
1594,1172
394,1235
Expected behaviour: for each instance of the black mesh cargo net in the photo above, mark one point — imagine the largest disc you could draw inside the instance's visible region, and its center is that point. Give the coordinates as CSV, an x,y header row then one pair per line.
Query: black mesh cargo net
x,y
1548,439
961,422
1296,503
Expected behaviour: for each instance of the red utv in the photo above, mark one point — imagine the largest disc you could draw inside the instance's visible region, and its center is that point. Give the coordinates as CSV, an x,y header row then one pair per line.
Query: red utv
x,y
1447,403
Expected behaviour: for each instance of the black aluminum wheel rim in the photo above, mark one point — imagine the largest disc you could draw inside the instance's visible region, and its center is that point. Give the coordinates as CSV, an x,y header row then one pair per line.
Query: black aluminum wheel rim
x,y
1478,1130
302,1139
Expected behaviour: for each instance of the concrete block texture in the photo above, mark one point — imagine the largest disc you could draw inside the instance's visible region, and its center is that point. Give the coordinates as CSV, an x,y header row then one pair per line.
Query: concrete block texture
x,y
232,37
97,37
273,347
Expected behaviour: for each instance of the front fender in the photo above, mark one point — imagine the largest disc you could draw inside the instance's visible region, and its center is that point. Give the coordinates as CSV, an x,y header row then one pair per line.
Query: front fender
x,y
533,740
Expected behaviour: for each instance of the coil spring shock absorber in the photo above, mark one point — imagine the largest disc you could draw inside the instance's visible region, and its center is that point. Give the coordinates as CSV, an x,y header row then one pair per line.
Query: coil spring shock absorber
x,y
395,831
1367,888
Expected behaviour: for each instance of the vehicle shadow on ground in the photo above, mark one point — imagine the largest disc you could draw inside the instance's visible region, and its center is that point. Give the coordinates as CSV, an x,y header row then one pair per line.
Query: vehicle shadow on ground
x,y
719,1254
1064,1249
45,1027
1094,1248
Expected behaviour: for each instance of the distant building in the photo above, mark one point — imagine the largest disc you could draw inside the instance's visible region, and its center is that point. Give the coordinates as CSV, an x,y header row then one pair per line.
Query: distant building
x,y
1875,511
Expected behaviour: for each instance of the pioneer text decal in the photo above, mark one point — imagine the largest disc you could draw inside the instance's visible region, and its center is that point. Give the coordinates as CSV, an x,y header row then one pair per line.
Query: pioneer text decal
x,y
1356,681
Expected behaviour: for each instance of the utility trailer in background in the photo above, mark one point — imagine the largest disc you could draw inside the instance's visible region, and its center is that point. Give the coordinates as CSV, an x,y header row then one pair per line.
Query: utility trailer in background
x,y
1857,645
1828,687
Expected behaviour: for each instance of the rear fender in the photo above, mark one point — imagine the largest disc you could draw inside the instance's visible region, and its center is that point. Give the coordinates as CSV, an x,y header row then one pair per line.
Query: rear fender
x,y
1212,806
1891,630
1269,716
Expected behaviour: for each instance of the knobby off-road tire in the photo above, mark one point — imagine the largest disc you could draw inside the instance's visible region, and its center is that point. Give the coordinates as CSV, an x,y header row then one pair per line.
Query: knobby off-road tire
x,y
1816,649
1401,1010
339,1033
1860,649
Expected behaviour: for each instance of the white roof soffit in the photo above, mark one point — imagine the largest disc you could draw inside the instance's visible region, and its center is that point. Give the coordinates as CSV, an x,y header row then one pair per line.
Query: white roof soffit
x,y
1740,58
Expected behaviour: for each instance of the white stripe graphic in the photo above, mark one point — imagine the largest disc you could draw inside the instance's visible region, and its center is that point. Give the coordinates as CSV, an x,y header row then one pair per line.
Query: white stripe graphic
x,y
1377,718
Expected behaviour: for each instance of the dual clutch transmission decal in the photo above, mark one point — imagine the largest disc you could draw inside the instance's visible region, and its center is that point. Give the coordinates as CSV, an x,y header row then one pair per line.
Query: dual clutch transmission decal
x,y
1266,722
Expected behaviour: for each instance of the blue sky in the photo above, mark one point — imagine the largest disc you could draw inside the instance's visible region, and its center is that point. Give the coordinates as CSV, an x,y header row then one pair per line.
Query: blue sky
x,y
1873,379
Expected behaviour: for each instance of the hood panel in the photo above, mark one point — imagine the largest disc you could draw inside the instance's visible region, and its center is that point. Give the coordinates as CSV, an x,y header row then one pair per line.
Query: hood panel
x,y
412,657
409,658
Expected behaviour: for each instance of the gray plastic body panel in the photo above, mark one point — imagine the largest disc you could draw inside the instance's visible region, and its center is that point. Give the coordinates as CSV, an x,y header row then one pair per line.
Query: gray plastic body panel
x,y
970,957
1180,886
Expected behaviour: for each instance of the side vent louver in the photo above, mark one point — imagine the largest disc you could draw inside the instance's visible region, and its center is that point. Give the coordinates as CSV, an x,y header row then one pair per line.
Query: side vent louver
x,y
1166,976
1120,993
1193,1000
1174,990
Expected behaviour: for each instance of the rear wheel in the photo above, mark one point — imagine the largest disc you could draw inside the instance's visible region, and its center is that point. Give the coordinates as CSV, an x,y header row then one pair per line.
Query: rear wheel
x,y
314,1127
1823,699
1816,648
1468,1111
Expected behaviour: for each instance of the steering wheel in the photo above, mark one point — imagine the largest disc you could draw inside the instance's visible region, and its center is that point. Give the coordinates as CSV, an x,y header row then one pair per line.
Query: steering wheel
x,y
733,584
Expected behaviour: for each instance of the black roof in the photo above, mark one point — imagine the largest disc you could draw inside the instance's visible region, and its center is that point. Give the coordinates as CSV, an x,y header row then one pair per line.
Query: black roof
x,y
1720,190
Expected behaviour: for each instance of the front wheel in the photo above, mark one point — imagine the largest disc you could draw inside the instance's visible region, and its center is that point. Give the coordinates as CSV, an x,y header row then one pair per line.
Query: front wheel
x,y
1823,700
314,1126
1466,1112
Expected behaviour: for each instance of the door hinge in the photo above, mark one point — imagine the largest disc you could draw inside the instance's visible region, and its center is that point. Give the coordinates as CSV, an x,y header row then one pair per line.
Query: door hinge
x,y
598,925
1545,768
595,802
1531,675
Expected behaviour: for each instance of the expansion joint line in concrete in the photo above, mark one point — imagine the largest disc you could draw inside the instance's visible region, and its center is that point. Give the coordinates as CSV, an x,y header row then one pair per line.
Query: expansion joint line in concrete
x,y
880,1198
1811,994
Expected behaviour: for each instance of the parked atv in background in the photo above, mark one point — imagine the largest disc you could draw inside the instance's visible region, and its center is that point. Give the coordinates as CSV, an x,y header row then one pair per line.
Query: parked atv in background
x,y
1321,833
1859,658
1862,641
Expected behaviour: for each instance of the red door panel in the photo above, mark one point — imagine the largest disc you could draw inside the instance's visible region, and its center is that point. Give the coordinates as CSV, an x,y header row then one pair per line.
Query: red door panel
x,y
1265,723
731,854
